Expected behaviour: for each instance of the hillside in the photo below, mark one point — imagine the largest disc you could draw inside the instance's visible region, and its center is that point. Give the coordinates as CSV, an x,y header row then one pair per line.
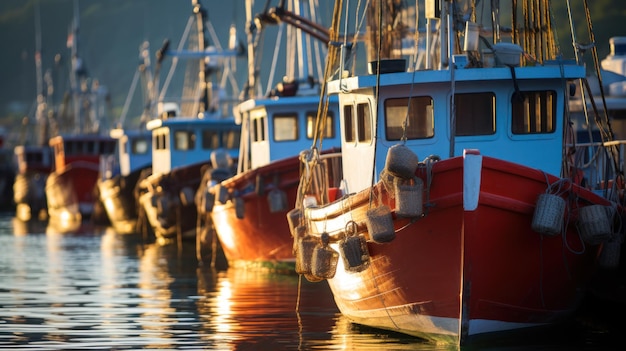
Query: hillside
x,y
111,32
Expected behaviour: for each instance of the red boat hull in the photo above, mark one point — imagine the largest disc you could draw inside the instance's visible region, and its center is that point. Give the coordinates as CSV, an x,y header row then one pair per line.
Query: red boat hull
x,y
261,236
455,273
73,185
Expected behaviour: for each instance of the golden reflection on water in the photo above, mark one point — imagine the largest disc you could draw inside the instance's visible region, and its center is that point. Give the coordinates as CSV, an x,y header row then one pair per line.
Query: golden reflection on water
x,y
245,307
223,307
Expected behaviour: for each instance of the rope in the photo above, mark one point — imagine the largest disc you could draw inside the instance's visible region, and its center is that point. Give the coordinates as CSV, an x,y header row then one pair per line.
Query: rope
x,y
322,110
131,92
377,93
300,326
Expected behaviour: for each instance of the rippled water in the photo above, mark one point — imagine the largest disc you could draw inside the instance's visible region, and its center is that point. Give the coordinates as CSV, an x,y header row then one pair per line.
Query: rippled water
x,y
99,290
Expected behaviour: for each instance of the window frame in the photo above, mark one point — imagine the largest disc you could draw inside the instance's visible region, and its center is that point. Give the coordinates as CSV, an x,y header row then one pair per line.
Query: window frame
x,y
428,124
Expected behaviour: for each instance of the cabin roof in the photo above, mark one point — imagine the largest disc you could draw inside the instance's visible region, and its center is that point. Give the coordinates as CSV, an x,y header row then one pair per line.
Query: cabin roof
x,y
187,121
79,137
548,71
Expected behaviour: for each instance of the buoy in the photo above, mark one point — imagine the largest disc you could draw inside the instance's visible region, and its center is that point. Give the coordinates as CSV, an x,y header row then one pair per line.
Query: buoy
x,y
208,200
548,216
401,161
293,218
594,224
221,192
355,254
324,263
380,224
220,159
239,207
409,197
304,254
610,254
277,200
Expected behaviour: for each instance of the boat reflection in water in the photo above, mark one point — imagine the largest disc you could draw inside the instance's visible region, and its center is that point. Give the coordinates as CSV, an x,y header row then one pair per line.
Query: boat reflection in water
x,y
252,309
21,227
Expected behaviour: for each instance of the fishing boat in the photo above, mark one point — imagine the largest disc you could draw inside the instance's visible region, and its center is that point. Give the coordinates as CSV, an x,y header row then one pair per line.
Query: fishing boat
x,y
78,141
465,210
185,133
179,155
248,209
34,163
71,186
121,173
32,155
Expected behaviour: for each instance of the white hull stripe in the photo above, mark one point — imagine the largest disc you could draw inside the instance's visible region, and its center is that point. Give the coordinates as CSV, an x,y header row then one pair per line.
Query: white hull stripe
x,y
472,164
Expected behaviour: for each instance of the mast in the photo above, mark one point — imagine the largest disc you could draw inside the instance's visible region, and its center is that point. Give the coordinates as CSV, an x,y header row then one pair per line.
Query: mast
x,y
249,89
41,117
77,69
203,74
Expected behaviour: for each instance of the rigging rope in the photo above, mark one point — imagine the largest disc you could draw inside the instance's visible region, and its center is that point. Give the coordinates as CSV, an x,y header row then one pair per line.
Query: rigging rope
x,y
181,44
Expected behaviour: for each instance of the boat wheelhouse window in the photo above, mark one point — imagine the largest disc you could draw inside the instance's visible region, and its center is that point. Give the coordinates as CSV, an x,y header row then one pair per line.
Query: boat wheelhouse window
x,y
34,157
416,112
106,147
91,147
534,112
364,122
285,127
139,146
160,141
348,119
357,127
475,114
258,129
68,148
184,140
210,139
231,139
329,130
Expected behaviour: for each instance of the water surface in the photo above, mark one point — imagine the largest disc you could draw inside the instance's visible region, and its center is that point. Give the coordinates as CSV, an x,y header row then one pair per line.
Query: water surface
x,y
99,290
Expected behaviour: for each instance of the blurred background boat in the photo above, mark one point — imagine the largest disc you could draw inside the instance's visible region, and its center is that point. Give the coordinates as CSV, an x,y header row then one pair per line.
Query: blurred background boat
x,y
187,129
121,173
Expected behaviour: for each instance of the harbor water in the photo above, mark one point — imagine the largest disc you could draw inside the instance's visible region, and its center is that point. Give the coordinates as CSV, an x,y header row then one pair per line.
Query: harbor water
x,y
96,290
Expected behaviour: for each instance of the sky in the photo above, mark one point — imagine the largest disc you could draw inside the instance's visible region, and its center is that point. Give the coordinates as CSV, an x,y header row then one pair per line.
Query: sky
x,y
111,32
